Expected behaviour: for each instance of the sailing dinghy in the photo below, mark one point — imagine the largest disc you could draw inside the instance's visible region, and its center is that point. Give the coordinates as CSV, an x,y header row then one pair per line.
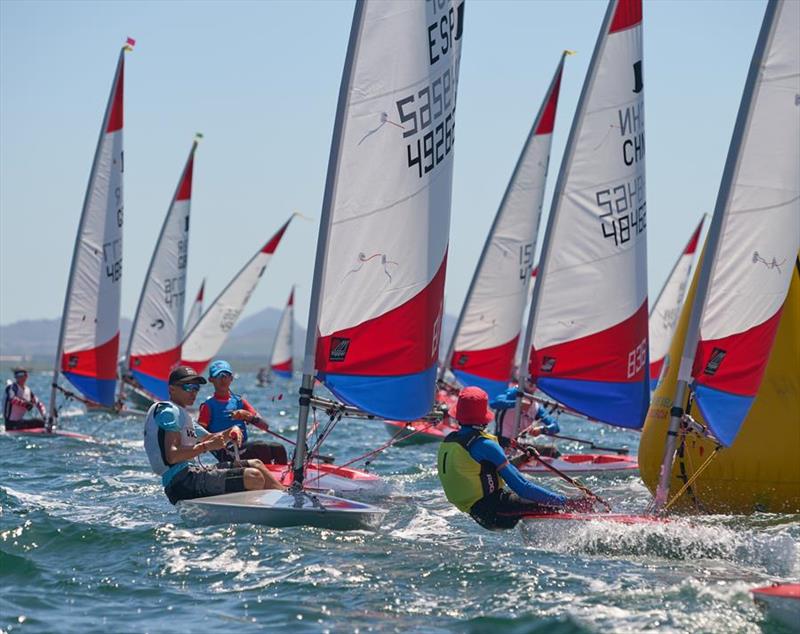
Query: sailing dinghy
x,y
722,434
154,347
377,295
88,342
590,355
486,335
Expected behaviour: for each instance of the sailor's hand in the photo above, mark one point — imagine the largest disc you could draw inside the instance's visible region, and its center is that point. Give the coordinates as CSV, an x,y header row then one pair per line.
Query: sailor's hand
x,y
214,442
242,414
29,406
234,435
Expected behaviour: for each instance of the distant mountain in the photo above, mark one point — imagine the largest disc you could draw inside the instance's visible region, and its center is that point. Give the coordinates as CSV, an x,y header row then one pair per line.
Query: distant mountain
x,y
250,340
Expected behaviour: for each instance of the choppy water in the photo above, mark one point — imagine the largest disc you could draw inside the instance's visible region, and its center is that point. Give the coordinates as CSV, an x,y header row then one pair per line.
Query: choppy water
x,y
89,543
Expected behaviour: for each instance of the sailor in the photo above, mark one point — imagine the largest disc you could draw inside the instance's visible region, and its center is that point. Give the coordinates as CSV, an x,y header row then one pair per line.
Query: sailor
x,y
19,400
474,470
173,443
506,428
224,409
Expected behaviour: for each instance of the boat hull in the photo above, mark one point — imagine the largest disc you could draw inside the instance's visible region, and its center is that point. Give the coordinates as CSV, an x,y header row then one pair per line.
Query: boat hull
x,y
781,602
282,509
577,464
329,477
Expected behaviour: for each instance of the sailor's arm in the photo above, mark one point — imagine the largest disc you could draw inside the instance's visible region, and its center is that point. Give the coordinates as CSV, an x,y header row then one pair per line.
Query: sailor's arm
x,y
175,452
249,414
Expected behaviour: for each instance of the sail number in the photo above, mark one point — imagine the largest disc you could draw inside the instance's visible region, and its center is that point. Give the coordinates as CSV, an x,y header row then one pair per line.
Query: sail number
x,y
637,358
430,115
112,258
525,261
624,210
174,290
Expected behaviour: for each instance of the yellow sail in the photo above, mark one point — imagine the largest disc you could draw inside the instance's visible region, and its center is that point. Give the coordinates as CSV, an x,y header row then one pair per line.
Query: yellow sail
x,y
760,471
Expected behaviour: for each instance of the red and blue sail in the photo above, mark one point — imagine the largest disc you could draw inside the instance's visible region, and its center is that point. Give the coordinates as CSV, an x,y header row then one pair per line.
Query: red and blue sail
x,y
486,337
154,348
89,340
386,218
757,221
589,314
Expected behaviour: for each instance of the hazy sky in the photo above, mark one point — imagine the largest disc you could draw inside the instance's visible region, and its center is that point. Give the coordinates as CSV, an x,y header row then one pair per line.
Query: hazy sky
x,y
260,81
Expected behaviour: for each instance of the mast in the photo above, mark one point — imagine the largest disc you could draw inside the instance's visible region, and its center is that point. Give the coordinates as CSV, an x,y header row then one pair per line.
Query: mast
x,y
553,87
118,74
709,259
307,383
552,218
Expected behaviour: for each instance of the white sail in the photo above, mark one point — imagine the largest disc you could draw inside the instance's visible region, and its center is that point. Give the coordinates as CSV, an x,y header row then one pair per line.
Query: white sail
x,y
155,342
486,335
89,339
207,337
196,310
282,350
588,322
667,307
386,217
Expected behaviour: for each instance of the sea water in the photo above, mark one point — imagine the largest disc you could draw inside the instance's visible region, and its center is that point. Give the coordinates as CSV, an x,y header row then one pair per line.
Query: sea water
x,y
89,543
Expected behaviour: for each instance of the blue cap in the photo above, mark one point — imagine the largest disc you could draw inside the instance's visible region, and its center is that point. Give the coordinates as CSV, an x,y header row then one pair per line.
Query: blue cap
x,y
218,367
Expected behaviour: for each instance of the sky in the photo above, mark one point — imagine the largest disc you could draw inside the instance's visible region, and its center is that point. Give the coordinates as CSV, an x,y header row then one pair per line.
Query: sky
x,y
260,80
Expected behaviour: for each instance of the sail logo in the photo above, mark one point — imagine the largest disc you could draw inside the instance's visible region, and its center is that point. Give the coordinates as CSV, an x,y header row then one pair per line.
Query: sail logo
x,y
548,363
714,361
339,348
72,361
462,360
774,264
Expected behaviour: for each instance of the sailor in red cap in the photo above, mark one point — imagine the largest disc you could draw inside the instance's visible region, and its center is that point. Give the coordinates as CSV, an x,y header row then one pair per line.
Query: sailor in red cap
x,y
474,470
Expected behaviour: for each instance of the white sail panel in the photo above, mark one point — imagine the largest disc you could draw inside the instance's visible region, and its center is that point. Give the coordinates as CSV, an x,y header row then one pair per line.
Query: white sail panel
x,y
197,308
667,307
282,351
207,337
383,281
89,342
157,330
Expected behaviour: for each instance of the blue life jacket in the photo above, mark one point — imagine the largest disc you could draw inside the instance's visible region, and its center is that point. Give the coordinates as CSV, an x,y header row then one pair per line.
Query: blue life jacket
x,y
220,412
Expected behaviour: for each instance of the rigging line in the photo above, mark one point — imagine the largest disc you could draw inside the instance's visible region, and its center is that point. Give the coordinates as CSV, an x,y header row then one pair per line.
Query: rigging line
x,y
694,477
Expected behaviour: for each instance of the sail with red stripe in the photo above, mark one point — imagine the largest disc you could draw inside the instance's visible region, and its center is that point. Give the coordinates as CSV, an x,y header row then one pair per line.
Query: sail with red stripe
x,y
204,341
756,231
588,321
197,308
667,307
89,338
377,300
154,347
486,335
281,357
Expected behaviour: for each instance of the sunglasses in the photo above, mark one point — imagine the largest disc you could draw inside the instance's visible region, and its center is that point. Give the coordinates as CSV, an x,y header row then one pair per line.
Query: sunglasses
x,y
190,387
19,375
222,375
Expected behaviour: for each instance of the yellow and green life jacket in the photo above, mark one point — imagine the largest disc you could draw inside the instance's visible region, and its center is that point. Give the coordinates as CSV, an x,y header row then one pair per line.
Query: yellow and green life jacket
x,y
464,479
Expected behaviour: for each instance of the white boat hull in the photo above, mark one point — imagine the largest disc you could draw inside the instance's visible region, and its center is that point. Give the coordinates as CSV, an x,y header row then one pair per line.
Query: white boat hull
x,y
327,478
577,464
281,509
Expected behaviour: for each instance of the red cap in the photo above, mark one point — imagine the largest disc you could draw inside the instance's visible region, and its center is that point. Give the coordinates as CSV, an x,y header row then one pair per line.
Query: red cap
x,y
472,407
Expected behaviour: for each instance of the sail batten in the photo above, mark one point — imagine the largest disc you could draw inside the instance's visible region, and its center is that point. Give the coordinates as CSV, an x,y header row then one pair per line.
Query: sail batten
x,y
88,343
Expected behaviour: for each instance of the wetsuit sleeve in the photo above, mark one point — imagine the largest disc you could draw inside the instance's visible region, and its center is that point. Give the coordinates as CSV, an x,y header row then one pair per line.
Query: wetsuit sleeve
x,y
167,418
246,405
39,405
204,417
484,449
